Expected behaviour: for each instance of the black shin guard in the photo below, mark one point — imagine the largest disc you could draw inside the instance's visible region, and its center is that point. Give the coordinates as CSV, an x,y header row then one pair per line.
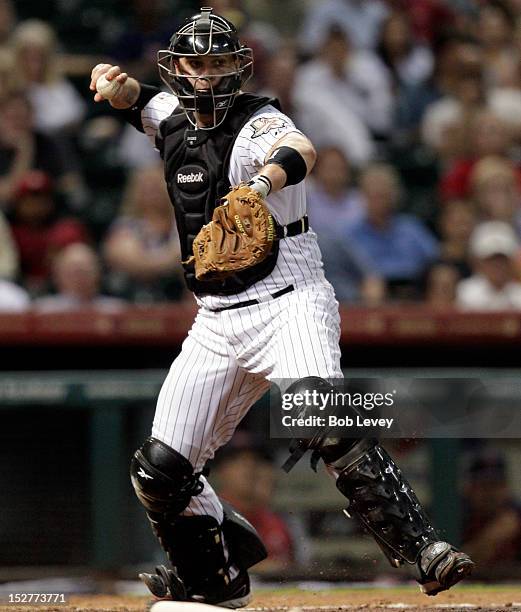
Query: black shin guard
x,y
195,547
378,494
165,482
244,544
384,502
196,550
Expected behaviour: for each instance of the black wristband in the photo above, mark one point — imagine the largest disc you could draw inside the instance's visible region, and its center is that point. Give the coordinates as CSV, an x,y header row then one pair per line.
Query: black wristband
x,y
133,114
292,162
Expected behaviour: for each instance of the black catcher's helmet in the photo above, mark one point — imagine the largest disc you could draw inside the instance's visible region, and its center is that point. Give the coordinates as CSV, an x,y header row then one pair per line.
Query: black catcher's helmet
x,y
206,34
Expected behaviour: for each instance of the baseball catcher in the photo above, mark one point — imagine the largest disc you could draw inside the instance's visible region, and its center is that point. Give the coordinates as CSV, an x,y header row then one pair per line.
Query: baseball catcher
x,y
235,167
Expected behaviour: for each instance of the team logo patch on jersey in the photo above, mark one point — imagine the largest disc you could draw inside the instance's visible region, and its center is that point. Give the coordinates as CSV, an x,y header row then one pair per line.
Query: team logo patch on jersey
x,y
263,125
191,178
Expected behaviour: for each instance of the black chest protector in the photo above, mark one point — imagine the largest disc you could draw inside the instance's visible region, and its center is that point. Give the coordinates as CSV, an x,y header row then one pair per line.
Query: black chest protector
x,y
196,171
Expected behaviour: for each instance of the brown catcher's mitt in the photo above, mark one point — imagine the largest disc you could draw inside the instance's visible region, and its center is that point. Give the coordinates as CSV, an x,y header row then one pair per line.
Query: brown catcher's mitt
x,y
240,235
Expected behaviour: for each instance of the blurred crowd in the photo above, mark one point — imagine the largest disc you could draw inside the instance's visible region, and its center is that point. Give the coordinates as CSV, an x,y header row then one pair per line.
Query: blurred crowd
x,y
413,105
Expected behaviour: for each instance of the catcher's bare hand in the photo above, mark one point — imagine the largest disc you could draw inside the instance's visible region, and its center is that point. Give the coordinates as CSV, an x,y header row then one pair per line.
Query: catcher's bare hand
x,y
124,98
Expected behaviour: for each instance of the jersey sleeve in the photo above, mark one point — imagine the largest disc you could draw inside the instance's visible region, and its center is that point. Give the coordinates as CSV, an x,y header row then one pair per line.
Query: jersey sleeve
x,y
252,145
155,111
262,131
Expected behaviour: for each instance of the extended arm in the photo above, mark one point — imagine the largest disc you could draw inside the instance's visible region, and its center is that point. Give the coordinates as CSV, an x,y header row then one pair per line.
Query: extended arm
x,y
129,92
288,162
133,98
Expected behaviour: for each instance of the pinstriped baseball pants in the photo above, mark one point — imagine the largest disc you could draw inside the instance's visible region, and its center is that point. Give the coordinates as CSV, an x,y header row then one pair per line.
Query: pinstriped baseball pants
x,y
225,366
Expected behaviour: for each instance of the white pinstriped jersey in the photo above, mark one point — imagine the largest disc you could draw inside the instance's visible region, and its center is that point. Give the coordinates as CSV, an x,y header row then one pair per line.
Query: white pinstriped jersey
x,y
229,358
299,261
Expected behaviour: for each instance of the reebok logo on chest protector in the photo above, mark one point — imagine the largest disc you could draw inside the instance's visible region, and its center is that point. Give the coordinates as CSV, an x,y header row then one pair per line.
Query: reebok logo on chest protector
x,y
192,178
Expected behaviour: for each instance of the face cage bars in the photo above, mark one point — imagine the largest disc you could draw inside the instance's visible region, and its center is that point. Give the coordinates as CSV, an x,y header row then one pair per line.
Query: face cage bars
x,y
221,102
208,24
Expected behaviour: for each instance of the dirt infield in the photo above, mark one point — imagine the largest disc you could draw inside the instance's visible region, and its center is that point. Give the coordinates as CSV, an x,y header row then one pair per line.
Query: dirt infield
x,y
485,599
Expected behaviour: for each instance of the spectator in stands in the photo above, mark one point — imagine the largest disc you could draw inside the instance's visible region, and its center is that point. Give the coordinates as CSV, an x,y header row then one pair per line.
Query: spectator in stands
x,y
9,259
441,285
451,55
495,28
132,146
473,118
35,226
246,478
515,7
492,515
334,202
456,224
261,36
7,21
332,198
464,94
343,97
280,78
17,144
13,298
399,246
359,20
76,273
353,275
58,108
504,100
22,149
269,12
9,79
357,77
407,62
493,286
484,134
148,30
141,248
428,18
496,191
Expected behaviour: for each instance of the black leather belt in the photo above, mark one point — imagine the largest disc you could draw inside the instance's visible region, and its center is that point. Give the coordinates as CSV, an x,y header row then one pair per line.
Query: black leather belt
x,y
273,296
300,226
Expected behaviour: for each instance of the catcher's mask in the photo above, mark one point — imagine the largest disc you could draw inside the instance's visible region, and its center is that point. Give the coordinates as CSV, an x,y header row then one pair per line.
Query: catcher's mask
x,y
205,34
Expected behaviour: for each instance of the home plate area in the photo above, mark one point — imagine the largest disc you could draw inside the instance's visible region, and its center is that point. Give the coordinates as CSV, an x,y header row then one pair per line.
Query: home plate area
x,y
472,597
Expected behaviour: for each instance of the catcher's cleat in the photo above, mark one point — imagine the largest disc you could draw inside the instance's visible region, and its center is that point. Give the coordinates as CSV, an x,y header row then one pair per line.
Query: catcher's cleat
x,y
165,584
441,567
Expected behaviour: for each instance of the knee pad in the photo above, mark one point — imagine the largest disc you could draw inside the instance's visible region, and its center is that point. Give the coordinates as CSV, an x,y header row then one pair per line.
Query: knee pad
x,y
164,480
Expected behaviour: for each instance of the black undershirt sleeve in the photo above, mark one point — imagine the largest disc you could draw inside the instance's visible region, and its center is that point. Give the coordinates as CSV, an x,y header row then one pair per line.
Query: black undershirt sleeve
x,y
133,114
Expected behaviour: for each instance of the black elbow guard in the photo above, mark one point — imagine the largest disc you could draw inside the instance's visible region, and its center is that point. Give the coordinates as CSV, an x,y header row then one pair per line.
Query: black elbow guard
x,y
292,162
